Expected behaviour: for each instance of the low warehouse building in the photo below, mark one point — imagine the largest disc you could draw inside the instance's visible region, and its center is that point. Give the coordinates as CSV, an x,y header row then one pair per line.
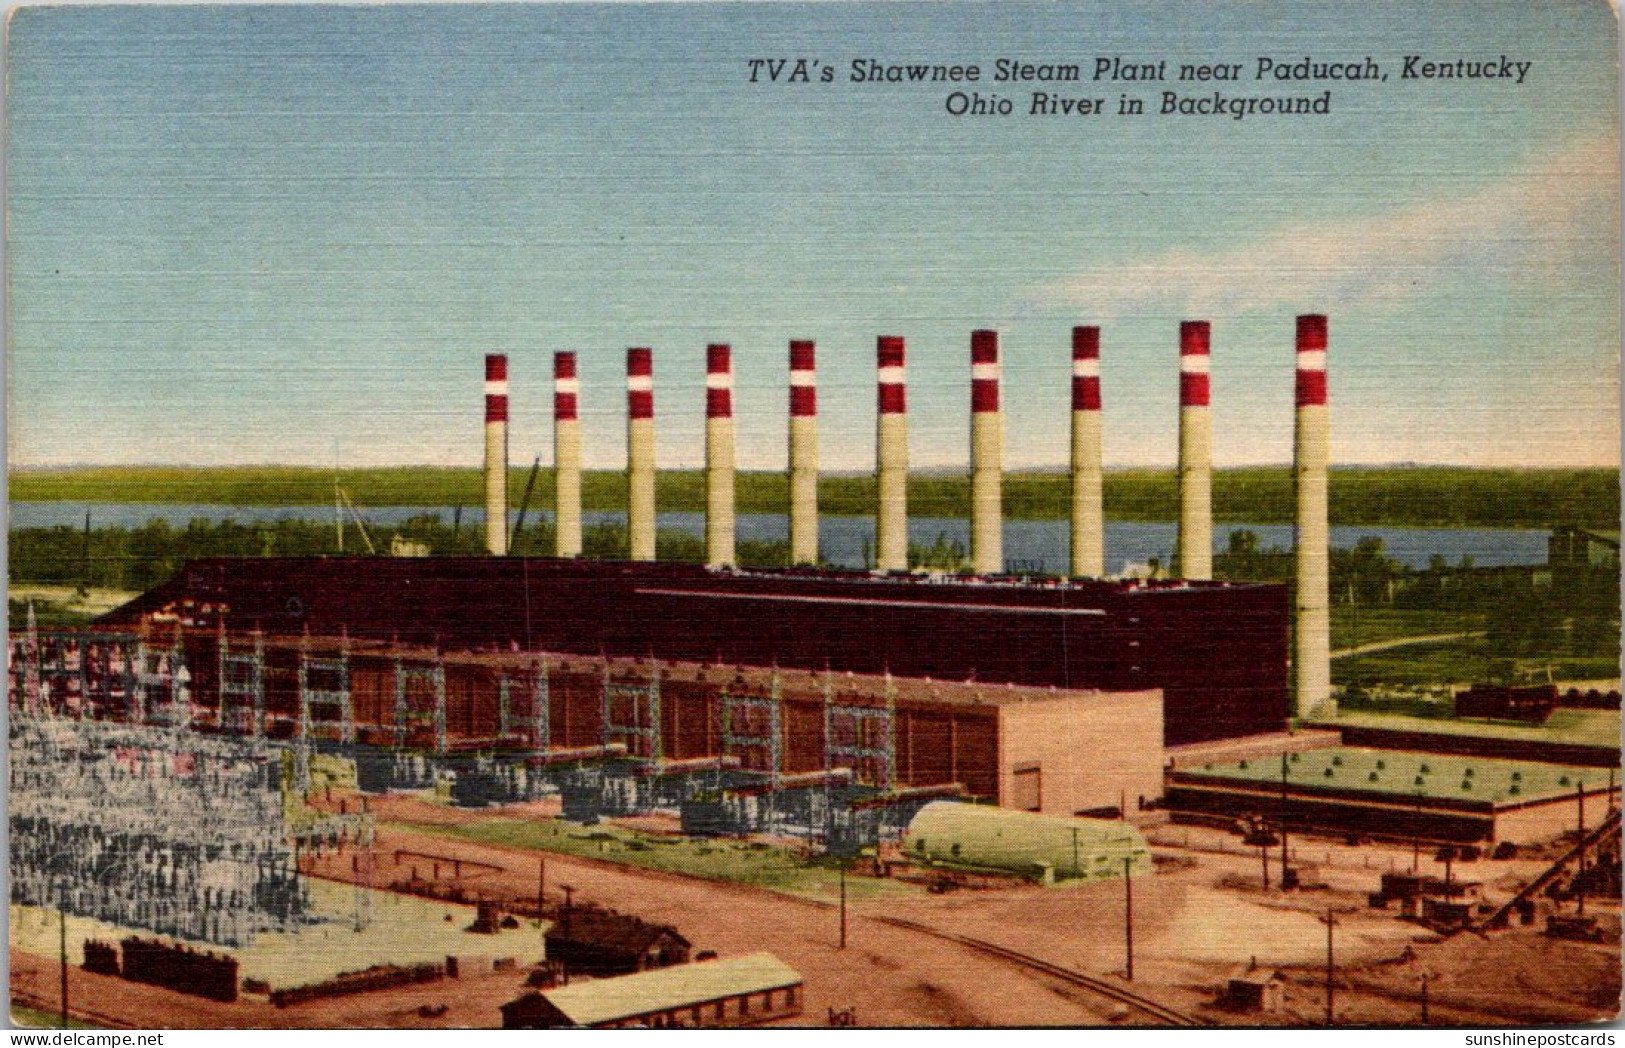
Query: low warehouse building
x,y
742,991
1400,794
598,942
1045,848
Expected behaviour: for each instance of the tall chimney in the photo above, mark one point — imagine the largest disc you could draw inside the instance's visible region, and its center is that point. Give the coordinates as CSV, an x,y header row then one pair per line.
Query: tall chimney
x,y
803,453
719,457
1088,498
640,454
891,457
566,456
1312,459
986,456
1195,454
496,454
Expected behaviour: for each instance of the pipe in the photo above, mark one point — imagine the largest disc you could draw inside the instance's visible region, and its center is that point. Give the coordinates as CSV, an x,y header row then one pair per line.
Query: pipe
x,y
803,454
891,456
986,456
1088,491
1195,554
496,454
719,457
640,454
566,456
1311,463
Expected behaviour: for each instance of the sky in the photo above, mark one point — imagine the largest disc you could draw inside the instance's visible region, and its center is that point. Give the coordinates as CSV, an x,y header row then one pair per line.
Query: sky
x,y
290,234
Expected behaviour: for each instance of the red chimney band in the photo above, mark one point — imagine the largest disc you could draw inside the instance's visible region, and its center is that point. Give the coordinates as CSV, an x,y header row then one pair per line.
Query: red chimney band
x,y
803,379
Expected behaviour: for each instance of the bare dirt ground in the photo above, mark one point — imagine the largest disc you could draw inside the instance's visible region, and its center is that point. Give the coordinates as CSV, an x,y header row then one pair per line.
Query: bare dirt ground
x,y
1200,916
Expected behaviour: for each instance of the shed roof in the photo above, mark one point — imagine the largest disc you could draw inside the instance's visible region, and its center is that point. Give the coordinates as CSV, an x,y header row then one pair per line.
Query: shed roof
x,y
609,931
599,1001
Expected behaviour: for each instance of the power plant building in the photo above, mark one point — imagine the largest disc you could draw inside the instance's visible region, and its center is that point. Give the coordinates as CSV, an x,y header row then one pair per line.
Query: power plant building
x,y
1216,651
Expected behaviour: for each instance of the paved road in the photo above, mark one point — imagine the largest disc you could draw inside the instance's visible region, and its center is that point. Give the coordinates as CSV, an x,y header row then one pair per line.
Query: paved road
x,y
1404,642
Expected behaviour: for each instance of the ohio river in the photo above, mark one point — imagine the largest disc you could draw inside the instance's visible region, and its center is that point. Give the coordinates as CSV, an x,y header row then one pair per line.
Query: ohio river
x,y
1030,545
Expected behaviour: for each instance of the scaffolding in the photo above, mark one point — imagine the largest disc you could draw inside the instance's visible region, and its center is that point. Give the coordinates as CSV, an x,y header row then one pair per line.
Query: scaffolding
x,y
410,714
170,831
537,726
640,731
25,661
861,736
162,694
325,706
242,688
751,727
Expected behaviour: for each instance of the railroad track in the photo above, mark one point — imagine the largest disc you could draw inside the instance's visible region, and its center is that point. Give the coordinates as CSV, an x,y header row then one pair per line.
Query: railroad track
x,y
1160,1012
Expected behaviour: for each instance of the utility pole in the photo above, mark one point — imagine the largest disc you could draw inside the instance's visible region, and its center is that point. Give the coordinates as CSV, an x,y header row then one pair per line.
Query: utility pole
x,y
87,548
1416,838
63,956
843,907
1283,819
1128,915
1580,861
1424,998
1330,921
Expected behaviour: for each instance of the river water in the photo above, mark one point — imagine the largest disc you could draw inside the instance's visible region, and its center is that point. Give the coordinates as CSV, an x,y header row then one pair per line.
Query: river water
x,y
1029,545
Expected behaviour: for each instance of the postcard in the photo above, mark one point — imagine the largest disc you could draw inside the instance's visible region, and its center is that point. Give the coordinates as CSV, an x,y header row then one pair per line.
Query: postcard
x,y
863,514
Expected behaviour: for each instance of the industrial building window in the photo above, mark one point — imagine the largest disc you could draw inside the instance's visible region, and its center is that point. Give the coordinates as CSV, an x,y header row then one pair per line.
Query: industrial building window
x,y
1029,791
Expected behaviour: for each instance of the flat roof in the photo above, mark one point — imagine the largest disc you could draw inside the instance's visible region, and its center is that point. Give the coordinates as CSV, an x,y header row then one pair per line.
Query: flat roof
x,y
1568,726
1404,773
595,1001
863,688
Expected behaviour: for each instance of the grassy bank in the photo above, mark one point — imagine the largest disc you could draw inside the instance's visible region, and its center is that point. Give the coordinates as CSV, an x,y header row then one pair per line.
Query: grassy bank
x,y
1395,496
739,862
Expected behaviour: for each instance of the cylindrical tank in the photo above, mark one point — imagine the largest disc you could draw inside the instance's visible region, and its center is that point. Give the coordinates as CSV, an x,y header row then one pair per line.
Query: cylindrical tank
x,y
1045,847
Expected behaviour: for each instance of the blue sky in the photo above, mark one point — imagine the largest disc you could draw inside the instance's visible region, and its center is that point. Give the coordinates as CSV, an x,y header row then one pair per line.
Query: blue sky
x,y
269,234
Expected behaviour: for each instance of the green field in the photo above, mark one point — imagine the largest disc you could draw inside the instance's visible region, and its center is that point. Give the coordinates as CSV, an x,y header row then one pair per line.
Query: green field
x,y
33,1019
1354,625
739,862
1395,496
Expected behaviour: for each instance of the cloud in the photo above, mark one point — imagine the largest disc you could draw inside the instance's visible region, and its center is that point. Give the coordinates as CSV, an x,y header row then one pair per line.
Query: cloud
x,y
1558,213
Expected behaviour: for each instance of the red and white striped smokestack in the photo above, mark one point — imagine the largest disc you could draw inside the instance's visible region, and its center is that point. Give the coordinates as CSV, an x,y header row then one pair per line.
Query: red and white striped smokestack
x,y
496,454
891,457
640,454
719,456
1195,453
1311,467
986,456
1088,497
566,456
803,453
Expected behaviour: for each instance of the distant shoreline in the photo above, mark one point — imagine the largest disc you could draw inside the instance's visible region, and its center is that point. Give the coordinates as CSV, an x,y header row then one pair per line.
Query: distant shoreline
x,y
1392,496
